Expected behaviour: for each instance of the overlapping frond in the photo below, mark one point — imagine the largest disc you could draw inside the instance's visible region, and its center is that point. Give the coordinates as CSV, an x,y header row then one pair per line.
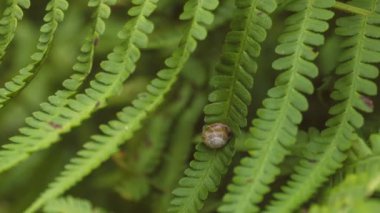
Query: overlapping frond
x,y
55,14
8,22
70,205
356,70
233,77
360,181
275,129
101,147
45,127
353,194
143,154
232,80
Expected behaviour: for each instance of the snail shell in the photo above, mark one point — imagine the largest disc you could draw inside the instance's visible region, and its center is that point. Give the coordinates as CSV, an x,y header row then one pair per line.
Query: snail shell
x,y
216,135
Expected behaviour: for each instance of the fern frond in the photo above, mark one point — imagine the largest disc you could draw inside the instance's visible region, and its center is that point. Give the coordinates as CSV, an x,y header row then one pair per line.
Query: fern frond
x,y
101,147
177,155
368,162
143,154
8,22
326,155
233,77
70,205
232,80
159,130
55,14
44,129
275,129
202,176
353,194
361,180
56,103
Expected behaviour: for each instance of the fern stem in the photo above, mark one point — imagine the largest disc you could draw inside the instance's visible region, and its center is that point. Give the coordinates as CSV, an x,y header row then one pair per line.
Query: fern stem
x,y
351,9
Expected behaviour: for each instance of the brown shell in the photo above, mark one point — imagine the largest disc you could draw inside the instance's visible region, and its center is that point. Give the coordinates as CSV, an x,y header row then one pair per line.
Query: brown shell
x,y
216,135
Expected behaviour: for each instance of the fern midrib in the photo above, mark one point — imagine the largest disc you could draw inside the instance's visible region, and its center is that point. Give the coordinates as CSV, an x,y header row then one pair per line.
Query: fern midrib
x,y
273,140
332,148
242,49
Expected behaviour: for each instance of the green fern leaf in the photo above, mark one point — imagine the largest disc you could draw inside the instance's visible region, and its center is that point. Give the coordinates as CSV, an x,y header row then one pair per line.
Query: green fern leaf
x,y
203,176
70,205
56,103
101,147
276,128
54,16
45,127
353,194
325,155
233,77
8,22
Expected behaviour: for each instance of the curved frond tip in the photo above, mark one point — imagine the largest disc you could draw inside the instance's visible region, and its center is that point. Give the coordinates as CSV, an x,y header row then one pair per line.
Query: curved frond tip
x,y
54,16
9,21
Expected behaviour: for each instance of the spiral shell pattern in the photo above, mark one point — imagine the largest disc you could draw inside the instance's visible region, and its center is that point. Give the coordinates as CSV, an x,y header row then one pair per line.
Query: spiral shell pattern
x,y
216,135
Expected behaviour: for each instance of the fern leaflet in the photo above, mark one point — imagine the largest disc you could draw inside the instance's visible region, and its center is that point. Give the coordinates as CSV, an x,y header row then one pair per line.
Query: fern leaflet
x,y
101,147
177,156
202,176
8,22
325,155
55,14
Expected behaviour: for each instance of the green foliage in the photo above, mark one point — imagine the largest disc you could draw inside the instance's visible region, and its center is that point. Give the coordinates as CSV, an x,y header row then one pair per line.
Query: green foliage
x,y
275,129
233,77
70,204
8,22
43,121
55,14
327,153
356,190
101,147
139,89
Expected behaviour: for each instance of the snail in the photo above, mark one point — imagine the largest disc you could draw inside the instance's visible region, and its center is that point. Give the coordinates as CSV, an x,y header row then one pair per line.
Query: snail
x,y
216,135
